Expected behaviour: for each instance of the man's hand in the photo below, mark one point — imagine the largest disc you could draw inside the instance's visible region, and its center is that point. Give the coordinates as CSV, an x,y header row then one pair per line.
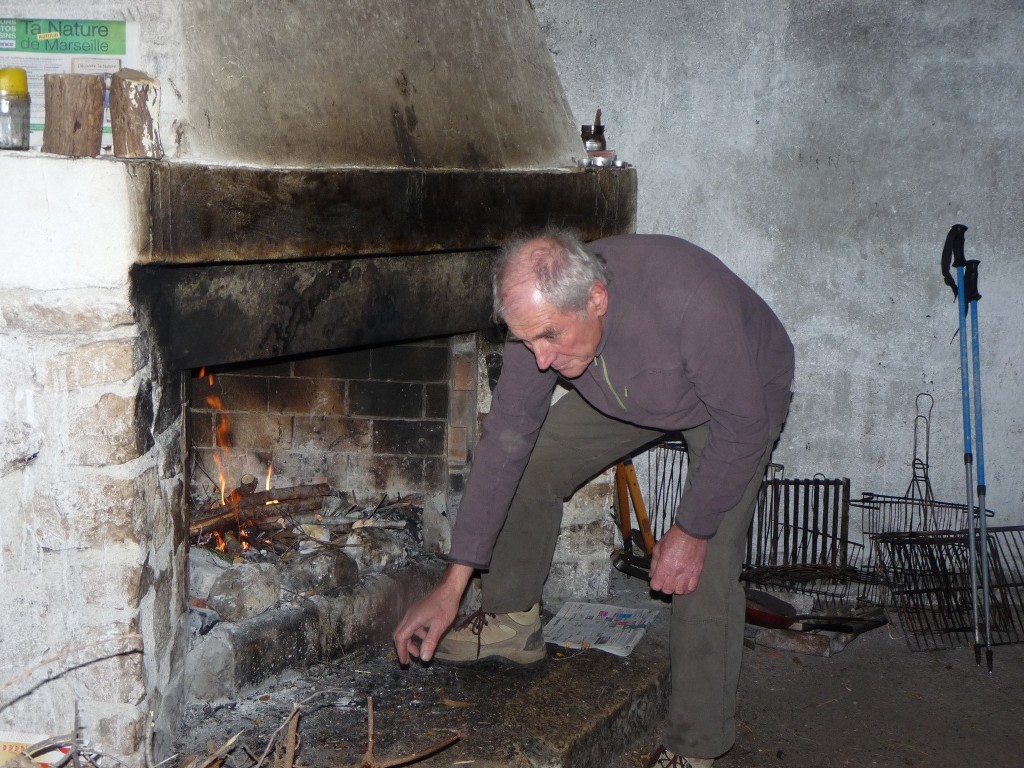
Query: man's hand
x,y
425,622
677,562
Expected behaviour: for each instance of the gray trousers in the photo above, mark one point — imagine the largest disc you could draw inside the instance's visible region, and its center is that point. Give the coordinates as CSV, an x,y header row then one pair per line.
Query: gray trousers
x,y
576,443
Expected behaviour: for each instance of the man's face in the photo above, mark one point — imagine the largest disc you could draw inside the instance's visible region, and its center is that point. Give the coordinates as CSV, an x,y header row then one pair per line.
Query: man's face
x,y
560,340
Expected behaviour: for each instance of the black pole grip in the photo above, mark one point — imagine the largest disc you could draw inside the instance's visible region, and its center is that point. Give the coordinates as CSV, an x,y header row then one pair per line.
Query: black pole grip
x,y
971,281
953,254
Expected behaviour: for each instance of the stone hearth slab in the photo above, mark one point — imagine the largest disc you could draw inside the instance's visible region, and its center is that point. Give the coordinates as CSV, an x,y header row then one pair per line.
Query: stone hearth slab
x,y
234,657
579,710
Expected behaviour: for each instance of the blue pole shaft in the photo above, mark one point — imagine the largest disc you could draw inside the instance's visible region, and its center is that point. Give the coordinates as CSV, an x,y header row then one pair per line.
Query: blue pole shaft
x,y
965,390
980,444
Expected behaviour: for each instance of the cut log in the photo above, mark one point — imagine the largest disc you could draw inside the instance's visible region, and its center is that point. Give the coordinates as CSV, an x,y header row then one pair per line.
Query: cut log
x,y
135,115
74,114
258,499
308,498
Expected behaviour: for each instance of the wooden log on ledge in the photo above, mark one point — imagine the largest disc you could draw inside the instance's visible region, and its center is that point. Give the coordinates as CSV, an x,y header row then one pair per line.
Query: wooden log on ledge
x,y
135,115
74,114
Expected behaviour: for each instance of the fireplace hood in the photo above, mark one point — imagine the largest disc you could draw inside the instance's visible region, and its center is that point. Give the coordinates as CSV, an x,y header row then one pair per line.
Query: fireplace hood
x,y
312,142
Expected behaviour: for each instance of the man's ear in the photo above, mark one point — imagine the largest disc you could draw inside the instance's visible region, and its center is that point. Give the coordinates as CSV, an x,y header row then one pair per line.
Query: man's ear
x,y
597,304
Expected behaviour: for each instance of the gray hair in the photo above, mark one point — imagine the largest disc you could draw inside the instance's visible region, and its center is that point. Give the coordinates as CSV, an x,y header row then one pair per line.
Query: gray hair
x,y
564,274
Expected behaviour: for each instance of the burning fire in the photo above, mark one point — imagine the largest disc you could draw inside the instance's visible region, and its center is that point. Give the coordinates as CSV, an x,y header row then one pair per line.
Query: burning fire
x,y
224,446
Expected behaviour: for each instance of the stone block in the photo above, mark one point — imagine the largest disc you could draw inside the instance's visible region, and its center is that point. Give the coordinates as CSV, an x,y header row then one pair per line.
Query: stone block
x,y
111,577
463,409
319,571
100,362
58,313
583,580
117,730
117,678
200,428
437,530
105,433
244,591
107,510
204,568
375,549
210,667
20,443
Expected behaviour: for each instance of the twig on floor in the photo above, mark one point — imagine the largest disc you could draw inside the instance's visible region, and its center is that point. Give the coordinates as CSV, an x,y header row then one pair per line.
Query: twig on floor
x,y
370,761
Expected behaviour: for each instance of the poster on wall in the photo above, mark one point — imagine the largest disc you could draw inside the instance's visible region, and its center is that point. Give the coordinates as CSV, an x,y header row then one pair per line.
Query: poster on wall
x,y
66,46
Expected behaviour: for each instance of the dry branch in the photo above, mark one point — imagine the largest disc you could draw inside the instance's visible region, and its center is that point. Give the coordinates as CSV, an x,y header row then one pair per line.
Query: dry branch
x,y
370,761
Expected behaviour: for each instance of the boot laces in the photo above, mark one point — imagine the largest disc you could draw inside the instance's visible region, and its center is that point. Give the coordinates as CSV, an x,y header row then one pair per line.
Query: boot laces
x,y
476,621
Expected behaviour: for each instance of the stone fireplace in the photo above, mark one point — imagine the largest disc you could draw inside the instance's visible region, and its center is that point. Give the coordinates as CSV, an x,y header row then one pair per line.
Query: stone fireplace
x,y
292,261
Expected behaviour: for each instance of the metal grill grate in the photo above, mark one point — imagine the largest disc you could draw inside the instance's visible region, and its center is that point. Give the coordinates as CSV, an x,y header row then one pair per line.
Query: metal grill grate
x,y
799,536
928,577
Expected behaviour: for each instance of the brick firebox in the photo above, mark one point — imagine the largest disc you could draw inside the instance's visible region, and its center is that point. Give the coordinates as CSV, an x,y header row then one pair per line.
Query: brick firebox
x,y
390,419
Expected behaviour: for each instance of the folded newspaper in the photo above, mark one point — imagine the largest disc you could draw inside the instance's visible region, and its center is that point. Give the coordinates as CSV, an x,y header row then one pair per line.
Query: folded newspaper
x,y
605,627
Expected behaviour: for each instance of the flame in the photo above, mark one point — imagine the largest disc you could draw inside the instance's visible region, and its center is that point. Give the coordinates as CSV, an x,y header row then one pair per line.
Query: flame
x,y
222,437
222,441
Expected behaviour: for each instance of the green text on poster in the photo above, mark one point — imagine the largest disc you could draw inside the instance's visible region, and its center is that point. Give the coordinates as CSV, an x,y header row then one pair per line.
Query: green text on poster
x,y
63,36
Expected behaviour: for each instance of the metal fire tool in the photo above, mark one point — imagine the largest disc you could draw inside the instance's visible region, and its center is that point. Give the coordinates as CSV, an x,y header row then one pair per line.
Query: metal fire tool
x,y
965,289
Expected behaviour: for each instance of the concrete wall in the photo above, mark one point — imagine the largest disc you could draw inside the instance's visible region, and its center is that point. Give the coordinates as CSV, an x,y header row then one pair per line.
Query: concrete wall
x,y
823,150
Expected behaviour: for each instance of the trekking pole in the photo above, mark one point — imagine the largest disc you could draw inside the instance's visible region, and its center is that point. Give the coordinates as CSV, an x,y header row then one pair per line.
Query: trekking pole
x,y
953,254
972,297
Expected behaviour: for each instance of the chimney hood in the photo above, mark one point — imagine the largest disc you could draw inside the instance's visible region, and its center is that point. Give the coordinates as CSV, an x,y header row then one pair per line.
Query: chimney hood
x,y
312,133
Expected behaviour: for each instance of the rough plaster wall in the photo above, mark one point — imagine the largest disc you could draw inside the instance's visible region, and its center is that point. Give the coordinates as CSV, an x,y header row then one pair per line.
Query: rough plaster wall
x,y
823,150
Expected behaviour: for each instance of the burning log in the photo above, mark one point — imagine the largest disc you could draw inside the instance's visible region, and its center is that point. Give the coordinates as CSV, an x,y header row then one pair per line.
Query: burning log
x,y
278,502
259,498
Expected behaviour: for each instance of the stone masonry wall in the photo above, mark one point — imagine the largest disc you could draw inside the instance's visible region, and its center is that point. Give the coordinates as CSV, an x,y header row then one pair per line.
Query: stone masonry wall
x,y
92,540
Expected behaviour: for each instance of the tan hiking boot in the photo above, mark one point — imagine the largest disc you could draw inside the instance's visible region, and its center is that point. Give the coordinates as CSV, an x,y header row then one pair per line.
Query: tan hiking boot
x,y
509,638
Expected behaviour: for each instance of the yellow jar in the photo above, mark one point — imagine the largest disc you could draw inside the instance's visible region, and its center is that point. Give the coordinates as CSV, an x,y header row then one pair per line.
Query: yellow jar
x,y
14,108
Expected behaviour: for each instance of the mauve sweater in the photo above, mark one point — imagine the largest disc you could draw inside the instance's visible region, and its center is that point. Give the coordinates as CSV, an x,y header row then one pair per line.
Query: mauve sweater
x,y
685,343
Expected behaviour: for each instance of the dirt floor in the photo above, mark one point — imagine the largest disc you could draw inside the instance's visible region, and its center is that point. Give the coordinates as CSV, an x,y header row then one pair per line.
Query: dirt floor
x,y
875,703
878,704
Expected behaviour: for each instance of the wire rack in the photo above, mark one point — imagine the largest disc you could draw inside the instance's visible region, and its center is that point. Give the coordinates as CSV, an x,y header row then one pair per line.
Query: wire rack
x,y
883,515
799,537
928,577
